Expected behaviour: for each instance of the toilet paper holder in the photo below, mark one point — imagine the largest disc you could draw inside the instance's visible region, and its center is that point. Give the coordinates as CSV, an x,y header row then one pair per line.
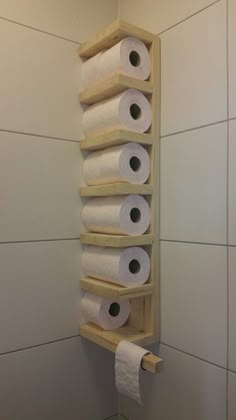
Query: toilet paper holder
x,y
143,327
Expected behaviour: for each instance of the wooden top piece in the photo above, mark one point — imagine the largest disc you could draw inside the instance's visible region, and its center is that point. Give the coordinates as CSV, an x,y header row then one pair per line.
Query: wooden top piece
x,y
111,35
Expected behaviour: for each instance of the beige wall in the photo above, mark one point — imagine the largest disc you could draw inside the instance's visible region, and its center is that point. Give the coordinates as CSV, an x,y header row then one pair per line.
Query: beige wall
x,y
46,371
198,207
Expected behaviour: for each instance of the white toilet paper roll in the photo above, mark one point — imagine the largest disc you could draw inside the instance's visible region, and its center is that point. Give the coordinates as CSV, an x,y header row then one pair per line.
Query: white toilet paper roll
x,y
89,71
125,266
130,56
106,313
128,360
125,163
129,110
120,215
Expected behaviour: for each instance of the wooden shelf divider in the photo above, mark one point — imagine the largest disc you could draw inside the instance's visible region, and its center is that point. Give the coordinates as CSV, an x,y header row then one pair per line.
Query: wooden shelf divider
x,y
116,189
114,138
115,241
112,86
115,291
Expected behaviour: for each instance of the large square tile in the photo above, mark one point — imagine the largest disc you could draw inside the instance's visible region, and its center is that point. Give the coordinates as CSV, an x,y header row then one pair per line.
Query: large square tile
x,y
231,397
39,188
194,299
232,308
40,295
157,16
193,71
194,185
39,83
232,182
187,388
232,57
67,380
70,19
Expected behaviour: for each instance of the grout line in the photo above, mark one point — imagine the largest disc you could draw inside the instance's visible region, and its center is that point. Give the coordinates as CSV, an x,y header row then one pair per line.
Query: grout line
x,y
189,17
123,417
39,345
193,355
192,242
40,240
227,203
159,227
195,128
39,30
78,141
37,135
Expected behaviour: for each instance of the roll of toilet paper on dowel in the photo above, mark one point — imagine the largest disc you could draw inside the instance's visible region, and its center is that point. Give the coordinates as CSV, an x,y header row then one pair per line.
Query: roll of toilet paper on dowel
x,y
130,56
125,266
129,110
120,215
125,163
128,359
104,312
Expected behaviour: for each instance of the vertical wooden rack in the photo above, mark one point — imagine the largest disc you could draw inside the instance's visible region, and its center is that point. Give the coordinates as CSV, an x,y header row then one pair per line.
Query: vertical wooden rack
x,y
143,324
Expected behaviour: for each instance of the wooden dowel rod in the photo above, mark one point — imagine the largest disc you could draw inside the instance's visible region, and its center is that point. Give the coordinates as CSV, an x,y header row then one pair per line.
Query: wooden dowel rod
x,y
151,363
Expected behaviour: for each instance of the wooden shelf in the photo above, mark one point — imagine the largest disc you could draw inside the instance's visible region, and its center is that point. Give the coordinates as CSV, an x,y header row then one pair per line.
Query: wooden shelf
x,y
142,327
111,35
114,138
116,189
115,241
111,86
110,339
106,289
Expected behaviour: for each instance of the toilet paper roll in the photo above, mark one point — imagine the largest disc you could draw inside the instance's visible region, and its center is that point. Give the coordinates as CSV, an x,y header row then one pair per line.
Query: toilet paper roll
x,y
120,215
125,266
125,163
129,110
89,71
130,56
128,358
106,313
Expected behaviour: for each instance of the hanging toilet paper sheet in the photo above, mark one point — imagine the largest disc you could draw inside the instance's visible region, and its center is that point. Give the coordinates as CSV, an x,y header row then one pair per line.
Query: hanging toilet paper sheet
x,y
106,313
128,358
125,266
130,57
119,215
128,110
125,163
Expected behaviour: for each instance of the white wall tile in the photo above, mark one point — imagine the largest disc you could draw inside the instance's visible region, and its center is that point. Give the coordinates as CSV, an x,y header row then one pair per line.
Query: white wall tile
x,y
39,299
39,188
72,19
193,70
39,83
232,308
158,15
71,380
232,57
232,182
193,185
187,388
194,299
231,397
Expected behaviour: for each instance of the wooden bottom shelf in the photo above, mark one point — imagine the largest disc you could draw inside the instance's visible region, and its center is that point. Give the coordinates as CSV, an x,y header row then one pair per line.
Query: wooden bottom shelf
x,y
106,289
110,339
115,241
